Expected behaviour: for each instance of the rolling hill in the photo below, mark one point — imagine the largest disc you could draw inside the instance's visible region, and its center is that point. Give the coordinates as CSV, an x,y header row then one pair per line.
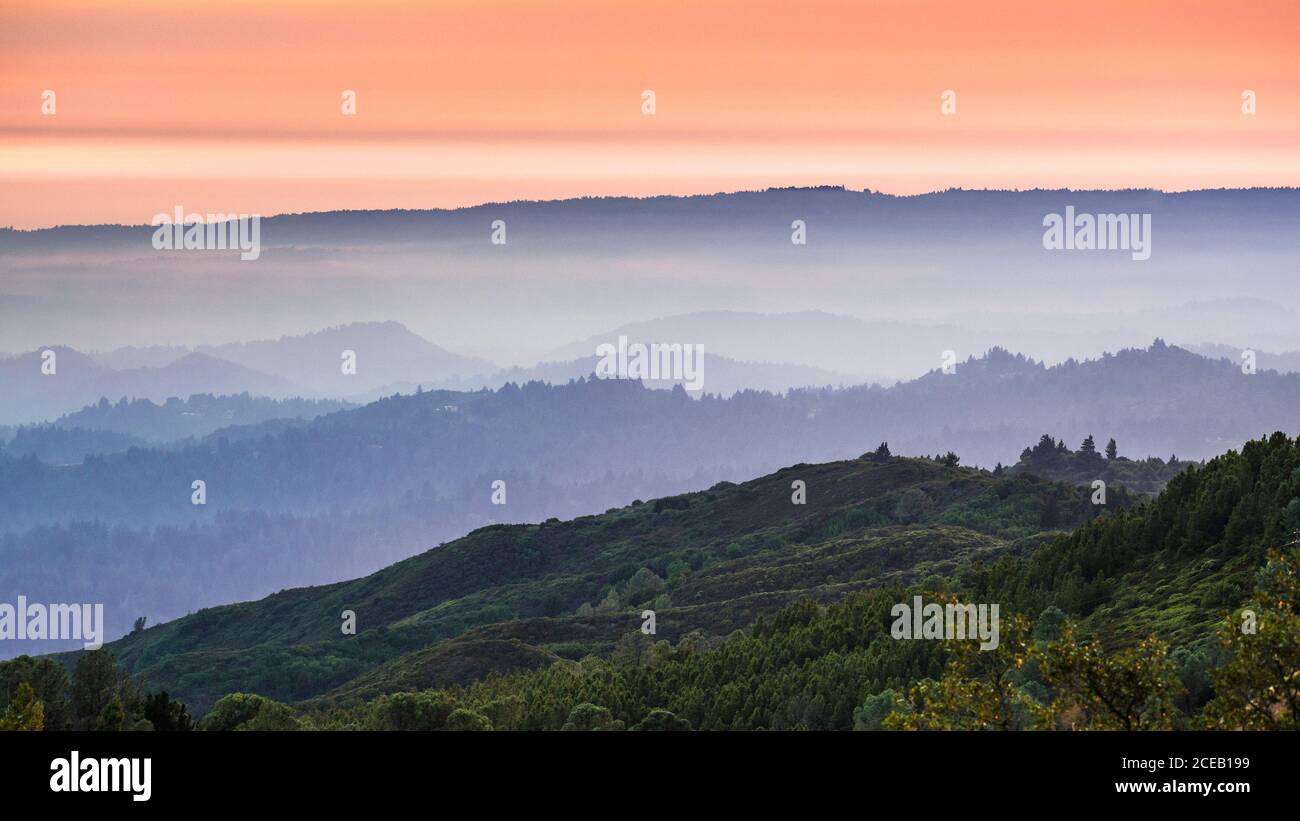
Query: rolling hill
x,y
712,561
386,353
316,502
771,614
31,395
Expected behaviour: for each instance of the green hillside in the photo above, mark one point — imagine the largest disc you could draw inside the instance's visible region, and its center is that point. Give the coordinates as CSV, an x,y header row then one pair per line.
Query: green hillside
x,y
1110,627
711,562
771,615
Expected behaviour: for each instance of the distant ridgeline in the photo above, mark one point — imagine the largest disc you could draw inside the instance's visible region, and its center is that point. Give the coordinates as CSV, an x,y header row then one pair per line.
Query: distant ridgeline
x,y
106,428
1052,459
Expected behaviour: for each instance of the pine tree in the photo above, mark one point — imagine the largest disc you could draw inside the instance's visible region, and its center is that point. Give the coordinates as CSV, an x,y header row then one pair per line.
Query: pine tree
x,y
24,711
1112,451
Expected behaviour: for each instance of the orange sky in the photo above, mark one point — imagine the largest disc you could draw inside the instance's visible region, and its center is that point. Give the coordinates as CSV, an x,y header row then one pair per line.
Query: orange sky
x,y
235,106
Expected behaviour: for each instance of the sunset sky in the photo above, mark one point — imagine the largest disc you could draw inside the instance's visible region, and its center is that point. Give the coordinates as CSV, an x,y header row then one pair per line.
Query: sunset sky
x,y
235,106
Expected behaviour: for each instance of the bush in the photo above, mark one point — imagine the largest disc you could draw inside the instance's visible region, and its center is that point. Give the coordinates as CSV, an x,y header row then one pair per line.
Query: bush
x,y
913,505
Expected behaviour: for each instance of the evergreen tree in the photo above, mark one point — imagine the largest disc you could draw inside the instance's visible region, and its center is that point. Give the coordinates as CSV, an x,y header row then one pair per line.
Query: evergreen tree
x,y
112,718
588,717
24,712
96,683
49,682
165,714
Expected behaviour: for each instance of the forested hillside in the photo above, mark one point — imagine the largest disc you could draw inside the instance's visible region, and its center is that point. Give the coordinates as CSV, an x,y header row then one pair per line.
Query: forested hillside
x,y
1134,621
115,427
1177,612
712,561
289,502
1155,401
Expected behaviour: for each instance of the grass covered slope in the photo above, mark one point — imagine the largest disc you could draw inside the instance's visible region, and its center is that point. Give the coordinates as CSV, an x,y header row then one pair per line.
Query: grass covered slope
x,y
1176,568
711,562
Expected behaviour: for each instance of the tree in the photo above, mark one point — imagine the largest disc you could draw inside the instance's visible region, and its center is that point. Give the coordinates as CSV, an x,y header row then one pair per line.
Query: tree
x,y
643,584
1050,624
1112,451
950,459
913,505
140,622
588,717
466,720
273,716
248,711
25,712
660,720
1259,688
166,715
871,715
96,682
979,690
1089,446
112,718
1133,689
49,682
881,453
413,711
634,649
610,604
